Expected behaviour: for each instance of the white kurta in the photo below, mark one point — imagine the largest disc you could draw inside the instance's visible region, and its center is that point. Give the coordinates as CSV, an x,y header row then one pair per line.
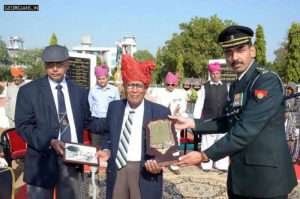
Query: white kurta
x,y
10,102
208,139
171,100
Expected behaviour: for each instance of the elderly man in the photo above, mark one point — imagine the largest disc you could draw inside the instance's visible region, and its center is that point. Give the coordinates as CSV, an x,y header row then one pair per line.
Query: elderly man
x,y
260,164
130,173
99,98
50,111
11,96
209,104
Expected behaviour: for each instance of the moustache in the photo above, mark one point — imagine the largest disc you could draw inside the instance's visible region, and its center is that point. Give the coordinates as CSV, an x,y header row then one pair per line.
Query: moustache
x,y
236,62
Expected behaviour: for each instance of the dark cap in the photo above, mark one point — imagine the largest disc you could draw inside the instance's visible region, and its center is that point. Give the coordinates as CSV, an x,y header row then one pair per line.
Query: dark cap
x,y
55,53
235,36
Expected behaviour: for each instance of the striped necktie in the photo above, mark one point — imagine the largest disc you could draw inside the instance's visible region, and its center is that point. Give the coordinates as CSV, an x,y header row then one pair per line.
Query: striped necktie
x,y
124,142
65,133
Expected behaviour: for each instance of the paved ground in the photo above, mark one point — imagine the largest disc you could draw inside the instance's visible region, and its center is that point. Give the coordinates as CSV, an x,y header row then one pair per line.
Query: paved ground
x,y
192,183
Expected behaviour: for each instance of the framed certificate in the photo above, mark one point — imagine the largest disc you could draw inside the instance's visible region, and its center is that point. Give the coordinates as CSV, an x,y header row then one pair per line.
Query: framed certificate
x,y
80,154
161,141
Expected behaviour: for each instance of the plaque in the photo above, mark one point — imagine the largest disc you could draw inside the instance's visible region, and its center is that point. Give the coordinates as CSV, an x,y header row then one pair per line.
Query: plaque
x,y
80,154
162,142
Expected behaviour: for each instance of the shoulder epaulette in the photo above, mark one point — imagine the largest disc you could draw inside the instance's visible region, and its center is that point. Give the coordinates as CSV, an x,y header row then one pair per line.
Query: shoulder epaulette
x,y
262,70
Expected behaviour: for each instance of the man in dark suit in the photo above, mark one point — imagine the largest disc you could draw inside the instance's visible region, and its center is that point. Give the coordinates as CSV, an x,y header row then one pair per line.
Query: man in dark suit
x,y
260,166
50,111
130,172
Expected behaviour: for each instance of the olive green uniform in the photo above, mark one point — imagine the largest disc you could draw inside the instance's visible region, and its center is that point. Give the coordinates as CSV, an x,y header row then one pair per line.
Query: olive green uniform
x,y
261,166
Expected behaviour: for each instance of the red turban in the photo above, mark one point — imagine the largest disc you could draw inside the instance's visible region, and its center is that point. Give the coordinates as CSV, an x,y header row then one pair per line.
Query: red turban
x,y
133,70
16,71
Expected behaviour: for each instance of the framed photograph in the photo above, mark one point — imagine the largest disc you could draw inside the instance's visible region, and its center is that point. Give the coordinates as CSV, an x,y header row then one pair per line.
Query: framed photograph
x,y
80,154
161,141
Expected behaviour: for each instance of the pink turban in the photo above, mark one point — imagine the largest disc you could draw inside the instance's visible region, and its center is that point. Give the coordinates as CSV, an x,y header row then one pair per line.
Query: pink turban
x,y
101,70
133,70
214,67
171,78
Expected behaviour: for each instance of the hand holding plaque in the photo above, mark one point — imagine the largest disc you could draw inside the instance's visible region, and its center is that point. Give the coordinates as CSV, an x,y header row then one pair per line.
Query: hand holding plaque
x,y
161,141
80,154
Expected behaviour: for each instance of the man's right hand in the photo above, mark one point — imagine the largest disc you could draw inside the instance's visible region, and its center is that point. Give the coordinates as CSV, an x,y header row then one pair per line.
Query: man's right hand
x,y
103,156
183,122
58,146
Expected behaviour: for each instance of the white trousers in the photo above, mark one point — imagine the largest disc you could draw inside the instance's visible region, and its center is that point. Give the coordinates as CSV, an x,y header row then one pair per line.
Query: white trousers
x,y
208,140
178,139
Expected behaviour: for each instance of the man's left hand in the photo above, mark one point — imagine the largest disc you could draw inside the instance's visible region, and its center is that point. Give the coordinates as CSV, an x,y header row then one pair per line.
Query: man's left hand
x,y
152,167
189,159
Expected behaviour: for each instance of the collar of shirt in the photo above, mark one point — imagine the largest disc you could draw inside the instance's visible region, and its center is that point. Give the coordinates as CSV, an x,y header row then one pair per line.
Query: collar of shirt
x,y
107,87
242,75
212,82
137,111
53,83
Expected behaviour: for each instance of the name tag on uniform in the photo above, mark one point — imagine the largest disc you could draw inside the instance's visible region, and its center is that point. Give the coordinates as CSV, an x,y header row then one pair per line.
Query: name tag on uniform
x,y
238,100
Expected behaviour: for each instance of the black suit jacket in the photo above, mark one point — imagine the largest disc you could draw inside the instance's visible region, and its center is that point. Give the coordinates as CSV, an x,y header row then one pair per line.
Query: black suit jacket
x,y
150,184
261,165
37,123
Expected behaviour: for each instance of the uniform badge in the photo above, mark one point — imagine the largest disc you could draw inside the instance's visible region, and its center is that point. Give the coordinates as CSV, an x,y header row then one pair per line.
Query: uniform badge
x,y
260,95
64,122
238,100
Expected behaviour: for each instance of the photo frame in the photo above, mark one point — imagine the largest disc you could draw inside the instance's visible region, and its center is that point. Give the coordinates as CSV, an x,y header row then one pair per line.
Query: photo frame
x,y
80,154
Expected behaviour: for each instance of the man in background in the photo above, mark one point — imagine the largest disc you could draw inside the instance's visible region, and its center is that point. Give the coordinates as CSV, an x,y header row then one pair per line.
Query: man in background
x,y
209,104
11,94
99,98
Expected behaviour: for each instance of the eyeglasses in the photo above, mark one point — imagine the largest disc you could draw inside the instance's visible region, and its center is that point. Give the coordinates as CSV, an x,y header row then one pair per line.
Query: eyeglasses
x,y
132,85
170,84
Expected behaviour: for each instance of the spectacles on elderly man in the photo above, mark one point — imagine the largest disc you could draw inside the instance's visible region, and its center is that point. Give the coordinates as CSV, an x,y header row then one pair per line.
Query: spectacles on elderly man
x,y
132,85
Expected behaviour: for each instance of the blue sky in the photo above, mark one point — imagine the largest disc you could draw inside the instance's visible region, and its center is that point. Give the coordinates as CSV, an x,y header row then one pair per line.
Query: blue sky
x,y
151,22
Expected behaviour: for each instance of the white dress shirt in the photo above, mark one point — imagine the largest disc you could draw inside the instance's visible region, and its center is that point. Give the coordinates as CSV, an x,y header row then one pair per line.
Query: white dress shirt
x,y
65,91
135,144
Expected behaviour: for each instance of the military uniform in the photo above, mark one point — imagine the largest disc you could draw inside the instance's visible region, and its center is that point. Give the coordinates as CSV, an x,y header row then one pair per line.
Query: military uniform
x,y
260,163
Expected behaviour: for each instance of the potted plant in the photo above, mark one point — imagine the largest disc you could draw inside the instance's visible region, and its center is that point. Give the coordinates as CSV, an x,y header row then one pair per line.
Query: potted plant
x,y
192,98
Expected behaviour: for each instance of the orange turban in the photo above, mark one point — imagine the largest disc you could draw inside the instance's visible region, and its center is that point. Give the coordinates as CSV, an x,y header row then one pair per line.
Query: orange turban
x,y
133,70
17,71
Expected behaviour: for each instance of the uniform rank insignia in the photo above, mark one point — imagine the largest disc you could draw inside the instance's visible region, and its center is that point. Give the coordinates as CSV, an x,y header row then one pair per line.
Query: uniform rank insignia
x,y
238,100
260,95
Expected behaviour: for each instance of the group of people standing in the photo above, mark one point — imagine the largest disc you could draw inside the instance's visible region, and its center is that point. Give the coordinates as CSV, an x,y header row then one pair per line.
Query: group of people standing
x,y
53,110
292,124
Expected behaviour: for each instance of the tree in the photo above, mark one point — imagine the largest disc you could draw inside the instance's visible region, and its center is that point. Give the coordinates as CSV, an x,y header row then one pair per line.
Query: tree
x,y
260,45
53,40
4,56
5,74
278,63
180,68
292,58
157,75
197,43
31,59
143,55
